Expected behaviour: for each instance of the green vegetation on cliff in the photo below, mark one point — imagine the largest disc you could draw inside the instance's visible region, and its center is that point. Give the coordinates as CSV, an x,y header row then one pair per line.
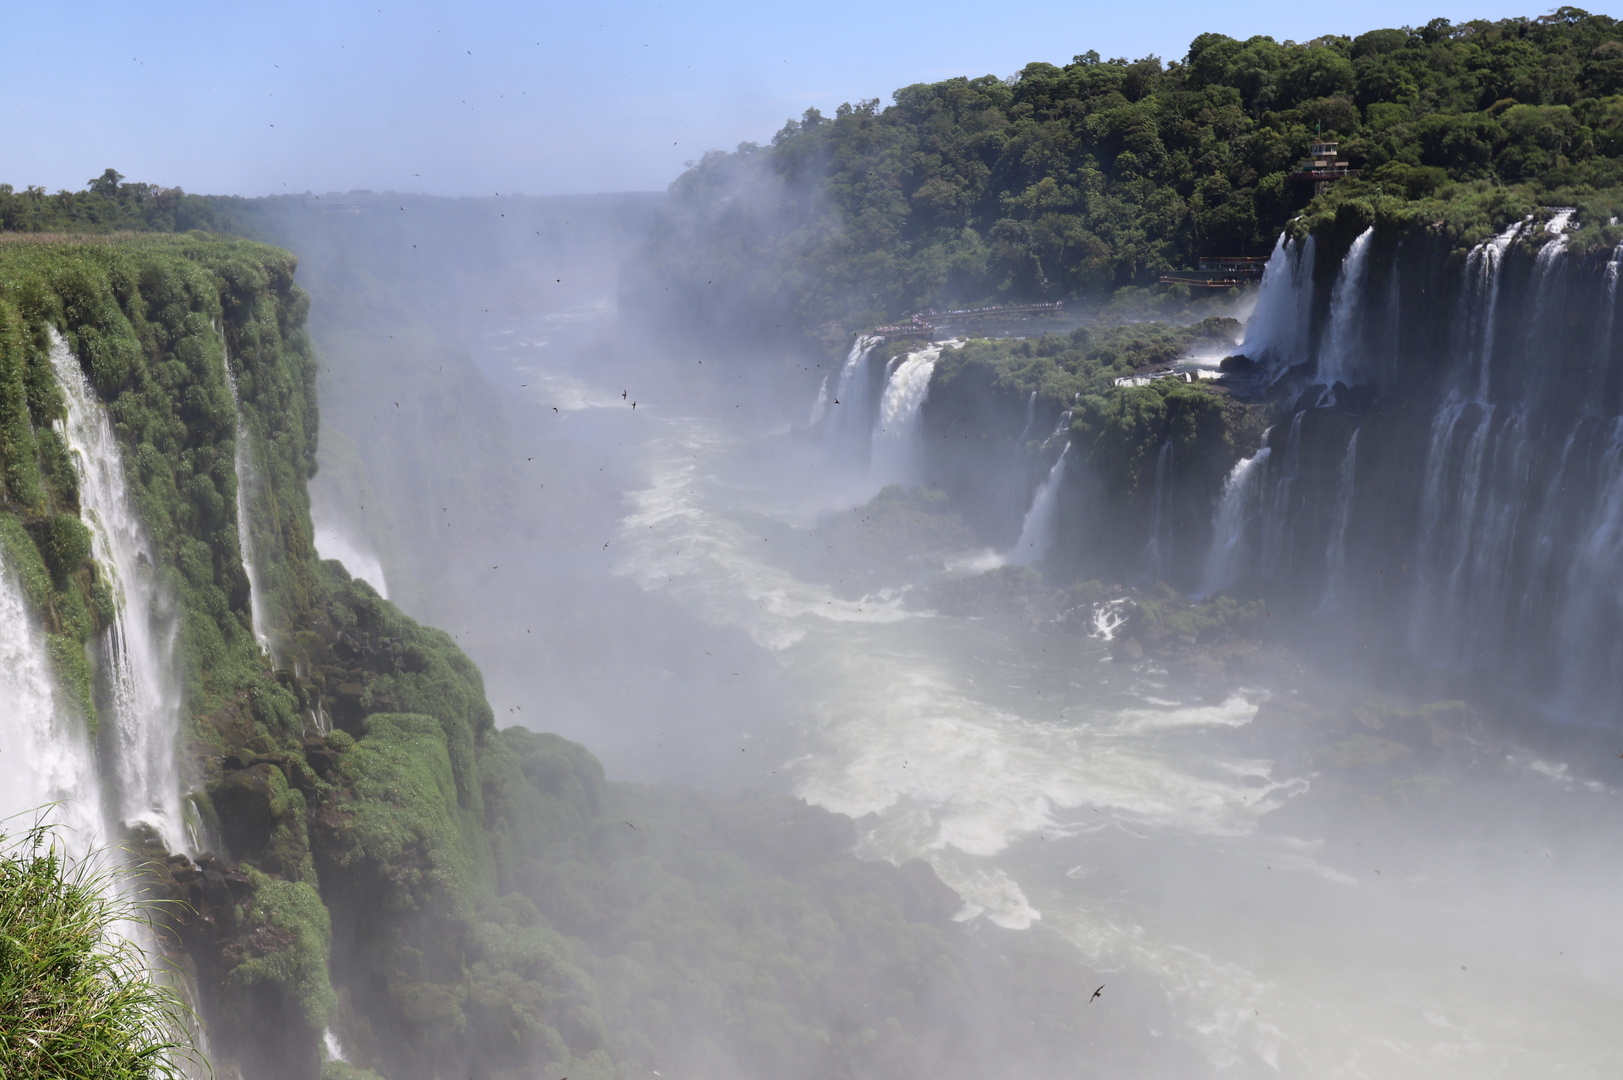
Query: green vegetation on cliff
x,y
150,319
1074,181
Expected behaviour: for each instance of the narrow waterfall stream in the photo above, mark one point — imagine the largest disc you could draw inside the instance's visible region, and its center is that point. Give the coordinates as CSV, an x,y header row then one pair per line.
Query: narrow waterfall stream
x,y
247,486
1039,530
141,723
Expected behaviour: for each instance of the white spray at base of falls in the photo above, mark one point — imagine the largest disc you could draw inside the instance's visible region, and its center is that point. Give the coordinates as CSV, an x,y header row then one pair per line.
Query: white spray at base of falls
x,y
897,441
47,753
1041,527
1223,561
247,485
143,719
1346,302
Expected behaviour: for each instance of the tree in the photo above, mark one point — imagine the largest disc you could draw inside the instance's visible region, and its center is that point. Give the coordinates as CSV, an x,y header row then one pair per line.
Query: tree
x,y
106,184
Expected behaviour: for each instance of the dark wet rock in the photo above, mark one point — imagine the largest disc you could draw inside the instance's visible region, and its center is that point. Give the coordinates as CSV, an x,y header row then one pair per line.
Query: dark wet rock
x,y
247,801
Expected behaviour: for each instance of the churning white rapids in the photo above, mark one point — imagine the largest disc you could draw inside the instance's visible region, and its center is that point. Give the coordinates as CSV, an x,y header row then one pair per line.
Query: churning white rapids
x,y
1061,793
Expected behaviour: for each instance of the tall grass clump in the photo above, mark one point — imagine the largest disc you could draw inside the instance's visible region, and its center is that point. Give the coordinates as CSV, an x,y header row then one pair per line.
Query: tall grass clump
x,y
78,997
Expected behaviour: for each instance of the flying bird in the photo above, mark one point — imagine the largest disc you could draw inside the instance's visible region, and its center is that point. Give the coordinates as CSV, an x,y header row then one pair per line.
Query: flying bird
x,y
1096,993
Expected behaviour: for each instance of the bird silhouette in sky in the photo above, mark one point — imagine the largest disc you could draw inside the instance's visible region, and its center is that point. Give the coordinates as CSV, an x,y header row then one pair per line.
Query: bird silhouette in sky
x,y
1096,993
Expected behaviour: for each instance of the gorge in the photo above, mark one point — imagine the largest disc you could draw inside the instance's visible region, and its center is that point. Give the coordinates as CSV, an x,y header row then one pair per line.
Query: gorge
x,y
887,631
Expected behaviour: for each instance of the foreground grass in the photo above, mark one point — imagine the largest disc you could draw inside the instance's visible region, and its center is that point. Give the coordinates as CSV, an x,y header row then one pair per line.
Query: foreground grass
x,y
78,998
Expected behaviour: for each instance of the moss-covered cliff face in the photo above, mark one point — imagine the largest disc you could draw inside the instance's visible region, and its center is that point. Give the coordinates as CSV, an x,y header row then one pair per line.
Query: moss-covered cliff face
x,y
149,321
371,856
1003,410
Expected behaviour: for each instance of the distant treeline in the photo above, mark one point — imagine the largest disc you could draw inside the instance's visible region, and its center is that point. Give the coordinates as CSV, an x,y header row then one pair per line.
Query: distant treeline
x,y
1075,181
106,205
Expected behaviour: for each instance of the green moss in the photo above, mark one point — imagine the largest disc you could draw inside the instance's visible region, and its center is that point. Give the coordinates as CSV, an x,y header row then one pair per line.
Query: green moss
x,y
150,320
343,1070
23,559
71,667
66,546
19,469
404,813
295,959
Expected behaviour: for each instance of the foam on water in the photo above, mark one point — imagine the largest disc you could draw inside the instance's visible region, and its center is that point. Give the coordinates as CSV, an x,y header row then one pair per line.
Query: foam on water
x,y
1056,791
672,539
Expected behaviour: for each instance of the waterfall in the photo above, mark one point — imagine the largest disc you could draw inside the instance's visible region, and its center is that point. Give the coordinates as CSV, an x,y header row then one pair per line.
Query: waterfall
x,y
849,422
45,751
247,485
1039,531
1277,332
820,406
1278,518
1335,553
142,722
1156,557
1593,608
1031,415
1225,559
1346,316
1609,320
1482,286
897,441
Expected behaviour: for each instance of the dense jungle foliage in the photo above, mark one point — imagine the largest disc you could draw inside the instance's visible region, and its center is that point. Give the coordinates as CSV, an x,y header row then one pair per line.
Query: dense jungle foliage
x,y
1072,182
106,205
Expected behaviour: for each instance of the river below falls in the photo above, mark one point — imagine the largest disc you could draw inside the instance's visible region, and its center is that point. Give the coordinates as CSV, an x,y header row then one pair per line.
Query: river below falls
x,y
1060,793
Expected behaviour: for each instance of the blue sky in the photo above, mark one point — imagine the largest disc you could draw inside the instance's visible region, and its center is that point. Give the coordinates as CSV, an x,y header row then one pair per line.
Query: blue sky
x,y
474,98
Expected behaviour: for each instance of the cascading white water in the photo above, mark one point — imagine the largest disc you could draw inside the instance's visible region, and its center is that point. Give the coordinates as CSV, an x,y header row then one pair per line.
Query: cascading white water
x,y
897,441
45,751
1278,518
1277,332
1341,341
820,406
1610,318
1482,281
1040,529
1594,600
1234,509
848,423
1031,415
142,721
1335,553
247,486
